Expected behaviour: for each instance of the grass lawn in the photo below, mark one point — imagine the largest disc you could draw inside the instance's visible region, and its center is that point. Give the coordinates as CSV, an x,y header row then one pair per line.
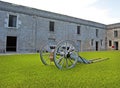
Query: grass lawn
x,y
27,71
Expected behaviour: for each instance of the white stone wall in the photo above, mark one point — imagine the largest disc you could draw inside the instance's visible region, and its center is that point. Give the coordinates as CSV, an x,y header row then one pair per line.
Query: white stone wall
x,y
3,32
68,31
32,29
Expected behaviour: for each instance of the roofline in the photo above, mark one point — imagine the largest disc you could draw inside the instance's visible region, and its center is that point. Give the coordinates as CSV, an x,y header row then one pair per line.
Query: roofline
x,y
113,26
10,7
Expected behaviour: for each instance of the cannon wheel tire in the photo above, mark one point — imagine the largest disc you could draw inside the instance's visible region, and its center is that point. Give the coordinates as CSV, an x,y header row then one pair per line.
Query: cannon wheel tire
x,y
62,53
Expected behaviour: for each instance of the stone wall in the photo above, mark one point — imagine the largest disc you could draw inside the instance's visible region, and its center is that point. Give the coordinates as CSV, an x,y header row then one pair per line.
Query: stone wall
x,y
32,29
110,35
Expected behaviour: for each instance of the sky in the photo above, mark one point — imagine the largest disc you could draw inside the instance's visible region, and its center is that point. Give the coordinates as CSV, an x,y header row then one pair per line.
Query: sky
x,y
102,11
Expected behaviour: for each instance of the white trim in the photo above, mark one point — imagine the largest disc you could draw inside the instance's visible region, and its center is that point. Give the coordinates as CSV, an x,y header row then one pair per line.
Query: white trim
x,y
7,21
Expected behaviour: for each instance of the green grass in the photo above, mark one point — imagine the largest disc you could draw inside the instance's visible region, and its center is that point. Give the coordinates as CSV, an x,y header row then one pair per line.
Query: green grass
x,y
27,71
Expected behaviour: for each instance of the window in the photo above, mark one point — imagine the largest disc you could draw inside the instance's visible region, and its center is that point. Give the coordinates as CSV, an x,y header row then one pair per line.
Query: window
x,y
78,29
12,21
115,33
110,43
92,40
101,42
51,26
97,32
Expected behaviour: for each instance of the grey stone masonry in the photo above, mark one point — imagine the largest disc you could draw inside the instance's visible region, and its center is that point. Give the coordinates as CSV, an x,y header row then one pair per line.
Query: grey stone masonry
x,y
35,12
32,30
113,36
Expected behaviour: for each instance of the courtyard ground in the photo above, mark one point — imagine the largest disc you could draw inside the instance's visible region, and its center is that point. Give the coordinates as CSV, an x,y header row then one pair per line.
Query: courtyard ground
x,y
27,71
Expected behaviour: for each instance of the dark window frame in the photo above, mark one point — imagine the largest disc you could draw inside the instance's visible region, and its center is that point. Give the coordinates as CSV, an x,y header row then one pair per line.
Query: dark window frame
x,y
92,42
97,32
115,33
12,21
51,26
101,42
78,30
110,43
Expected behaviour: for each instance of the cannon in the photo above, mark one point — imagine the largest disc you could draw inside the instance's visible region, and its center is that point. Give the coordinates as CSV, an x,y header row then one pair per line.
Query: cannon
x,y
65,55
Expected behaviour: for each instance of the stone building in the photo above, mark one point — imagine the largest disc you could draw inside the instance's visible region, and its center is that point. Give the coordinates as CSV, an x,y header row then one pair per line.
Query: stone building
x,y
113,36
24,29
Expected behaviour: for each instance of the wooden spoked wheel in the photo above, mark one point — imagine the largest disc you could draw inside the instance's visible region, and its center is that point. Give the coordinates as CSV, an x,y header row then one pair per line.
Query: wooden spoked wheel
x,y
46,54
62,54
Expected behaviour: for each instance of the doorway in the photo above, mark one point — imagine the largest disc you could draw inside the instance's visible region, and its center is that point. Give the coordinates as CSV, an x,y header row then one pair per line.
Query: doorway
x,y
97,45
11,43
116,45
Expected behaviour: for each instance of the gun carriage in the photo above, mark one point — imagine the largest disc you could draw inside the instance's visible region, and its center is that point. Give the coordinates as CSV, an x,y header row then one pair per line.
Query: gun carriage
x,y
64,55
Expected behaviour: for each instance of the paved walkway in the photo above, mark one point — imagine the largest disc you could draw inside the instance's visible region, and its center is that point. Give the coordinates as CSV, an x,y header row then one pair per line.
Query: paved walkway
x,y
1,54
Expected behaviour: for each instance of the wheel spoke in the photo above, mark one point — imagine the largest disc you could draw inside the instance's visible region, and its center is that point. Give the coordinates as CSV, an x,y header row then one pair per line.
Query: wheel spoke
x,y
66,63
70,60
66,47
62,63
60,59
